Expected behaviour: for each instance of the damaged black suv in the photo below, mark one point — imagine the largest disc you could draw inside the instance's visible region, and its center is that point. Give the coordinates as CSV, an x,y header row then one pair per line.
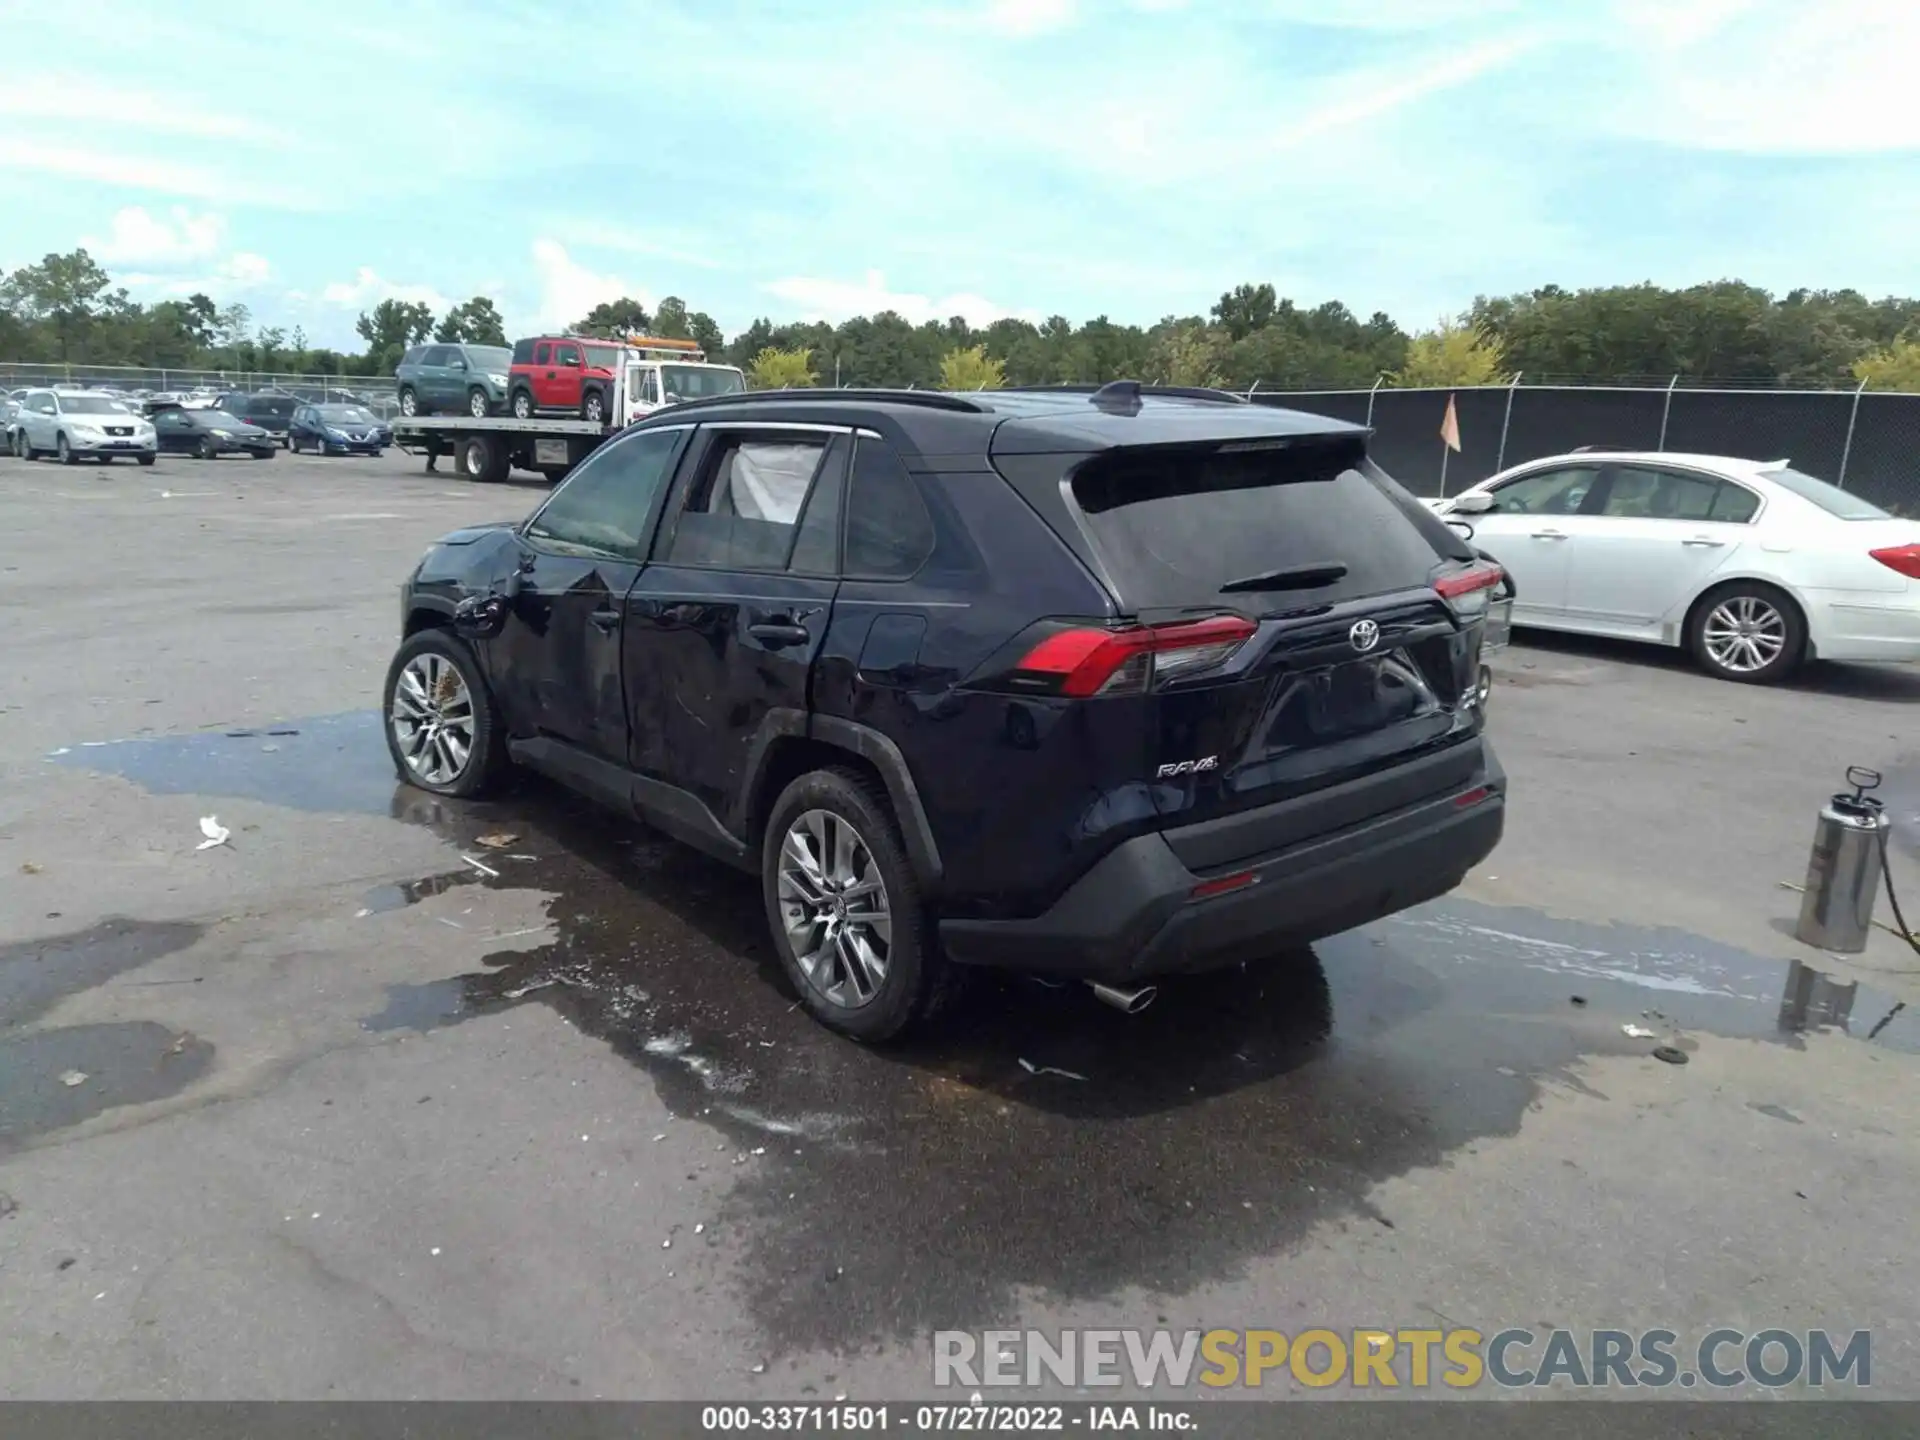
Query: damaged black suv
x,y
1107,684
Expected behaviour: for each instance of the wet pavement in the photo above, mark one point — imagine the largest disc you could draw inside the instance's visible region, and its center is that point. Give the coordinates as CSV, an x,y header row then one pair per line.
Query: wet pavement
x,y
392,1095
1252,1106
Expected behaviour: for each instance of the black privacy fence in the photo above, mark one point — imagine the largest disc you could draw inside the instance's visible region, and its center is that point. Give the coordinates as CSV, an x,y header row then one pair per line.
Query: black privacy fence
x,y
1866,442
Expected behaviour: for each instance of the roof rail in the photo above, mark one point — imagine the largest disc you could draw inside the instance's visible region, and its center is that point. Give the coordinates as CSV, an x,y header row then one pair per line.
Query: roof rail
x,y
1133,387
1604,450
925,399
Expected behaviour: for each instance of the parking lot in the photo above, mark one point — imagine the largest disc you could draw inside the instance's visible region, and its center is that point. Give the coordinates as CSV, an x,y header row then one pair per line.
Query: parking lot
x,y
395,1096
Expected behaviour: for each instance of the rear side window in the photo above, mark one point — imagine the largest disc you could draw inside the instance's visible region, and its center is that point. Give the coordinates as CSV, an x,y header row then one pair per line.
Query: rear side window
x,y
889,533
1271,527
604,505
523,352
412,357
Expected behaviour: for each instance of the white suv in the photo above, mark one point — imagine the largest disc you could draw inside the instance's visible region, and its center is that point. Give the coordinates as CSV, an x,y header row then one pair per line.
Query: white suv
x,y
74,424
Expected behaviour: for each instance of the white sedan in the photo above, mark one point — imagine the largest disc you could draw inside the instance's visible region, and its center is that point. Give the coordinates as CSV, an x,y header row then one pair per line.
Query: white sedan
x,y
1751,565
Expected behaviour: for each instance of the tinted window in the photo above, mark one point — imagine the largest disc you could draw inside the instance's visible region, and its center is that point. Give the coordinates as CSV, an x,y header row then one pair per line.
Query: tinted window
x,y
436,355
1179,527
412,357
604,504
522,352
1545,492
745,510
889,534
1830,498
816,549
1733,504
488,357
279,406
541,353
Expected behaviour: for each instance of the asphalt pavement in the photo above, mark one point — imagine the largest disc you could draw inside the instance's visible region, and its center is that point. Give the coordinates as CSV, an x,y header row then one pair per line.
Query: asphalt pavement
x,y
390,1096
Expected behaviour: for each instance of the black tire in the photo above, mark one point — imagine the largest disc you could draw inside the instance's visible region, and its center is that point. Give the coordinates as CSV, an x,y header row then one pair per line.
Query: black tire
x,y
522,405
206,450
145,459
918,978
478,406
410,402
64,450
487,759
260,454
1771,614
481,459
593,408
293,443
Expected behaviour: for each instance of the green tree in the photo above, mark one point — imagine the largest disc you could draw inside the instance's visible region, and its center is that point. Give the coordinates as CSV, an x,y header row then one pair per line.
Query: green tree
x,y
473,322
971,369
1189,352
389,330
702,330
61,296
774,369
1245,309
625,316
1892,367
1453,353
670,319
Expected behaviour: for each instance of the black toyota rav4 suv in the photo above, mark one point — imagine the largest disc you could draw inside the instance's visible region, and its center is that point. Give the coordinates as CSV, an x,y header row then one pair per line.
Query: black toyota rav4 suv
x,y
1105,684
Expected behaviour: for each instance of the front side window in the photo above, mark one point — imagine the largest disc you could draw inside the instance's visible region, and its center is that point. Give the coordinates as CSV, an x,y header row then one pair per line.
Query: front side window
x,y
1545,492
566,355
745,511
604,506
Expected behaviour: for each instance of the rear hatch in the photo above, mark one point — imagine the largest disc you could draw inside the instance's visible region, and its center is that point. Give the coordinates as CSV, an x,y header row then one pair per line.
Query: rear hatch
x,y
1303,625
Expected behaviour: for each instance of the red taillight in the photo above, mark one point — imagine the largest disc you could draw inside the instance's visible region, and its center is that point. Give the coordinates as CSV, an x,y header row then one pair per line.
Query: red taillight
x,y
1133,660
1903,558
1468,591
1468,798
1207,889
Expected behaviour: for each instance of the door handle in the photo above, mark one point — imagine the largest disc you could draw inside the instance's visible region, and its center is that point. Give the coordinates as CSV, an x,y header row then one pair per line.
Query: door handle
x,y
605,621
778,634
1704,542
1549,534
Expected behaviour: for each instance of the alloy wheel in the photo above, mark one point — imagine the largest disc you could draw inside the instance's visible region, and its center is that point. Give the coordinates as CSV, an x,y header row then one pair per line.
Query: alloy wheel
x,y
477,405
432,718
408,405
834,904
1744,634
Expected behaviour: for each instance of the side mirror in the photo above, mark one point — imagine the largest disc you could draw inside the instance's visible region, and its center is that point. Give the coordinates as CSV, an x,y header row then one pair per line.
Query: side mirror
x,y
1477,502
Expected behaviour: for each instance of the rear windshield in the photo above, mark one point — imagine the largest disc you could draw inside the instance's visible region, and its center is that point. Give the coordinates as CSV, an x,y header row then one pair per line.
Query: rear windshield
x,y
1830,498
277,405
1173,527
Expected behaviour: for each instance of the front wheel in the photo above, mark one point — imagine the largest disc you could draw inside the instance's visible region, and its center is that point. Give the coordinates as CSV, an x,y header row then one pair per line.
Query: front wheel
x,y
443,731
844,906
593,409
1747,632
65,451
206,450
146,459
409,404
477,405
522,405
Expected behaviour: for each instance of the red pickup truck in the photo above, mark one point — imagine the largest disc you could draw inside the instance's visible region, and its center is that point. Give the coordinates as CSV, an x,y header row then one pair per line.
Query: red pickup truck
x,y
563,374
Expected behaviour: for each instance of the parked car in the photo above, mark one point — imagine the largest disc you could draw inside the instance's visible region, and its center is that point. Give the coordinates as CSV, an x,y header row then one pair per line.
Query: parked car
x,y
210,433
78,425
456,379
1111,685
337,430
9,408
565,374
269,410
1753,566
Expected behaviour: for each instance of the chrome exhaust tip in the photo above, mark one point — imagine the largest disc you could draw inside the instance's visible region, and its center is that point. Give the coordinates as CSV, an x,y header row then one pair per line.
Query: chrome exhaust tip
x,y
1483,687
1127,1002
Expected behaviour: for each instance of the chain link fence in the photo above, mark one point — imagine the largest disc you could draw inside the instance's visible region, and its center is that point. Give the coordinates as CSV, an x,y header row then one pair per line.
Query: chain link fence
x,y
375,392
1867,442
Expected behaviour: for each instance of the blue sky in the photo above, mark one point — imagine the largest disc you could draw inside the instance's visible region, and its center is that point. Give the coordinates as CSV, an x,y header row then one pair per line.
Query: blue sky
x,y
822,158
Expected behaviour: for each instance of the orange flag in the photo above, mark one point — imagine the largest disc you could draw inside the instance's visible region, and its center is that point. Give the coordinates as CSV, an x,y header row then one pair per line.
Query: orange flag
x,y
1450,428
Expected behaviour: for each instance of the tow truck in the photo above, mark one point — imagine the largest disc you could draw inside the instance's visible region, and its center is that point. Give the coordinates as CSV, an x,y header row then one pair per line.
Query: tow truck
x,y
653,373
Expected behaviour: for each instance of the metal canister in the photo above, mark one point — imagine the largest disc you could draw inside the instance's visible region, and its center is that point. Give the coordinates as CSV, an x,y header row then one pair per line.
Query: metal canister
x,y
1844,869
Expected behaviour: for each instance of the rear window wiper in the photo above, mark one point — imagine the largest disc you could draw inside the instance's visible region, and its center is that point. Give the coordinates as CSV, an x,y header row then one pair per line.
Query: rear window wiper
x,y
1293,577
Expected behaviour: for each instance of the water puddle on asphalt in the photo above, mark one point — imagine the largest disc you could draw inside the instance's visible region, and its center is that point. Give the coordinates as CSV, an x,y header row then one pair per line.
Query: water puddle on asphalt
x,y
1037,1138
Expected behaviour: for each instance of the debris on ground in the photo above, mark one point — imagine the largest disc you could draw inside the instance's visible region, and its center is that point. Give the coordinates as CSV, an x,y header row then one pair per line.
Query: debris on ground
x,y
529,988
761,1368
180,1043
666,1244
1033,1069
216,833
1637,1032
700,1229
27,867
483,869
1671,1054
1578,999
496,842
74,1077
9,1207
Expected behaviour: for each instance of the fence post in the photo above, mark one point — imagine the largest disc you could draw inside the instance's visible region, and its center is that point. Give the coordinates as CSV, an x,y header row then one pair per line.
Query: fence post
x,y
1846,450
1370,394
1666,409
1500,459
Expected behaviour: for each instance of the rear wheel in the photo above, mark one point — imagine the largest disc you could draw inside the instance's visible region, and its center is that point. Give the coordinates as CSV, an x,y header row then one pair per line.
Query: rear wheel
x,y
64,450
1747,631
844,906
409,402
522,405
442,729
593,408
482,460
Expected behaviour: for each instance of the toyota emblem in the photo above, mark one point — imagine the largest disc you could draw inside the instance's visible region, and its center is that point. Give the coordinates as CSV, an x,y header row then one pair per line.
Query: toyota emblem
x,y
1365,634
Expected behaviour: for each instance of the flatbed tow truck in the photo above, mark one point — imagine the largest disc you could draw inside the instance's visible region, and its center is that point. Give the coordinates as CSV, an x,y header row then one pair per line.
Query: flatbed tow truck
x,y
653,374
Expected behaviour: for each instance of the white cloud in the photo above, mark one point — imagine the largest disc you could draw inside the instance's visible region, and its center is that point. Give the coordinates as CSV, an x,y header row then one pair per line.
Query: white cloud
x,y
242,270
128,171
1368,97
1027,17
368,288
138,237
74,98
837,300
680,248
568,289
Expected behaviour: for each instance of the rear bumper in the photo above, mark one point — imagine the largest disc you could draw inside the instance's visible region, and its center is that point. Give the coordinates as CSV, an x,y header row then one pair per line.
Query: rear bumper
x,y
1857,625
1133,916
